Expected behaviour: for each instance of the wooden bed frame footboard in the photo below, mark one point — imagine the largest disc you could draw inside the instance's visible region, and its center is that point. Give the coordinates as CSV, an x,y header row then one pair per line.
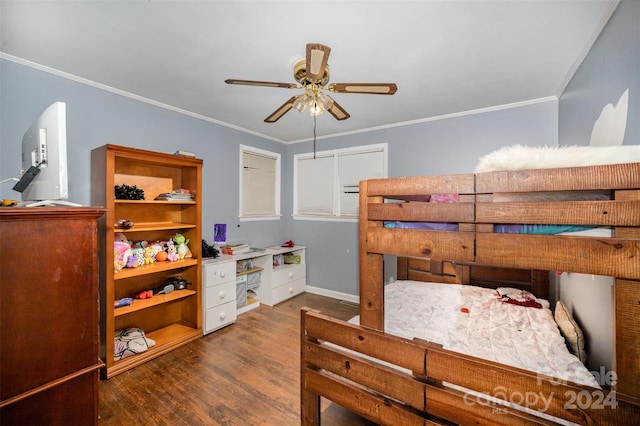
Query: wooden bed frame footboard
x,y
394,381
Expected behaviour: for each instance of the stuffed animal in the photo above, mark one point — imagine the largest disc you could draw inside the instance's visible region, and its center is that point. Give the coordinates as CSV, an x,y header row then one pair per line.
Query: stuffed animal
x,y
121,254
117,264
183,249
172,251
137,258
149,255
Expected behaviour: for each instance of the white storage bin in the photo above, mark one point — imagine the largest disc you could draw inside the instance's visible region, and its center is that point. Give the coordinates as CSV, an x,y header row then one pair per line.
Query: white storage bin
x,y
241,291
253,280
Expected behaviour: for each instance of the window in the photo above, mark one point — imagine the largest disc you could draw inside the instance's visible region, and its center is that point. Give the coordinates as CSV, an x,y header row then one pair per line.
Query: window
x,y
259,184
327,186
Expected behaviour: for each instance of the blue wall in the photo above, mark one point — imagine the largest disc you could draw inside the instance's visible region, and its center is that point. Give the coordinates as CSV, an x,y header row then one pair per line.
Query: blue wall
x,y
96,117
435,147
452,145
612,66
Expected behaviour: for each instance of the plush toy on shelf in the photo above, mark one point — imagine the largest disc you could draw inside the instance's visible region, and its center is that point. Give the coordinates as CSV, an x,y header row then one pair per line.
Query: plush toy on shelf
x,y
172,251
121,254
183,249
137,258
149,255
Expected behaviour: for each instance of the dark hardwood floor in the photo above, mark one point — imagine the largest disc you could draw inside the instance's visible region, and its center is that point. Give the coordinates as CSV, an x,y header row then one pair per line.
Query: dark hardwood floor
x,y
244,374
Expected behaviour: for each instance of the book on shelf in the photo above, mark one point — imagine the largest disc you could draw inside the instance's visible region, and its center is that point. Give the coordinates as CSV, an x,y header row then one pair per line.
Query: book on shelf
x,y
235,248
176,195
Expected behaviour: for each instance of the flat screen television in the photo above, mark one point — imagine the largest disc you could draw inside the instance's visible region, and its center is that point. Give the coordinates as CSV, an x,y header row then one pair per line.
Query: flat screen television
x,y
44,179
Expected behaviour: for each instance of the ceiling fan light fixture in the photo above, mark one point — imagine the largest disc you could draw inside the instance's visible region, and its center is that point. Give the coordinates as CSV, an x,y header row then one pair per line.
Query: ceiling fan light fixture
x,y
312,75
301,103
325,100
316,109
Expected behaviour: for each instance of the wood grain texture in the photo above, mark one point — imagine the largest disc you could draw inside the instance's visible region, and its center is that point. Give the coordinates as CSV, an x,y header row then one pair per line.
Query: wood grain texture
x,y
179,320
599,213
412,188
420,243
49,336
475,242
613,176
427,212
627,300
602,256
245,374
424,373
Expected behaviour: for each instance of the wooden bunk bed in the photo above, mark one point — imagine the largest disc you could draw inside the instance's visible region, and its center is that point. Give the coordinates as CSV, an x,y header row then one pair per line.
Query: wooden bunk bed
x,y
394,380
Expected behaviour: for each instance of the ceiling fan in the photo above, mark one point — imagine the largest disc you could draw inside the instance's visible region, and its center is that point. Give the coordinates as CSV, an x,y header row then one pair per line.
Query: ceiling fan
x,y
312,75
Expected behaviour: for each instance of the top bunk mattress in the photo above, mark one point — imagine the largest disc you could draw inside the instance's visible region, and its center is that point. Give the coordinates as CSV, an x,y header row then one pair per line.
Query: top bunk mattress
x,y
475,321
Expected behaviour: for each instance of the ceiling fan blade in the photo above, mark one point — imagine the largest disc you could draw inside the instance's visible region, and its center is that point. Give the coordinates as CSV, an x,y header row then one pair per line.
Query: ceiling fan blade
x,y
338,112
262,83
368,88
317,57
282,110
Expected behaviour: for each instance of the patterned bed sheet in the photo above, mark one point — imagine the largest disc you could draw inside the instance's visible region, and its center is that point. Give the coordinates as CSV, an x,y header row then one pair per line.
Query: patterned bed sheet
x,y
474,321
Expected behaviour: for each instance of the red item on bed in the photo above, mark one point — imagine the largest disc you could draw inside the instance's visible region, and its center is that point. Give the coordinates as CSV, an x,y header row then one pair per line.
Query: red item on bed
x,y
518,297
527,303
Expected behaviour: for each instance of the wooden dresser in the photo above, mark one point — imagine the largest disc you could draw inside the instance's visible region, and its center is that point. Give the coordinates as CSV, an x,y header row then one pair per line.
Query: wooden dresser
x,y
49,319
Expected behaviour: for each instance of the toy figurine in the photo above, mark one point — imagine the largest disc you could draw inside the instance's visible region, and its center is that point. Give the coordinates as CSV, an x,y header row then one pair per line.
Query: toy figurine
x,y
137,258
149,255
172,252
183,249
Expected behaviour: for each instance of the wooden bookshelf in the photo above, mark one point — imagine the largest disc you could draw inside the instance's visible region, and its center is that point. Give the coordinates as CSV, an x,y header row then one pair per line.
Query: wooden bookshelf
x,y
173,319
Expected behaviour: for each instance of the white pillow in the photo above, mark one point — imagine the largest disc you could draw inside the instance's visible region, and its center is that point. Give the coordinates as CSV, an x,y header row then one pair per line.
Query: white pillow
x,y
570,331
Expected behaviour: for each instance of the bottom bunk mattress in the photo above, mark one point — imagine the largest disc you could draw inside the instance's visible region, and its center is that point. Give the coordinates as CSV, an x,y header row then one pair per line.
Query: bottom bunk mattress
x,y
494,325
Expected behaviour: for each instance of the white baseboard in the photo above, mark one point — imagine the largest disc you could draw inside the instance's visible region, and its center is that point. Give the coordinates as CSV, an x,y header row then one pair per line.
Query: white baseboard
x,y
333,294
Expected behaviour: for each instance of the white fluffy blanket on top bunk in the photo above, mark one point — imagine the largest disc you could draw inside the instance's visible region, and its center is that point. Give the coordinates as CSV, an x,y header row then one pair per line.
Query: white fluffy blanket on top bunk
x,y
519,157
475,321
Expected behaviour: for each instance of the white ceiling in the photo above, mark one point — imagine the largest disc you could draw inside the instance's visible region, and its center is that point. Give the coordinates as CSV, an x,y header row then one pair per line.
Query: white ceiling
x,y
447,57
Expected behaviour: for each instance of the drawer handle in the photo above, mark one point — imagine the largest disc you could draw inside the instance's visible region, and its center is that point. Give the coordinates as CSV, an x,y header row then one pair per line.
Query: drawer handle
x,y
222,316
222,295
290,274
223,274
290,290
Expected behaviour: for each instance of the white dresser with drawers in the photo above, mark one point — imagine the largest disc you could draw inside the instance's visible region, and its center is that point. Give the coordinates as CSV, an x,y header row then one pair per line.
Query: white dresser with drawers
x,y
282,275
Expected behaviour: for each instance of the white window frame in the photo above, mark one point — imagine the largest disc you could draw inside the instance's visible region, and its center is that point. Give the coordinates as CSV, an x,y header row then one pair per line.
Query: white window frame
x,y
335,179
244,217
